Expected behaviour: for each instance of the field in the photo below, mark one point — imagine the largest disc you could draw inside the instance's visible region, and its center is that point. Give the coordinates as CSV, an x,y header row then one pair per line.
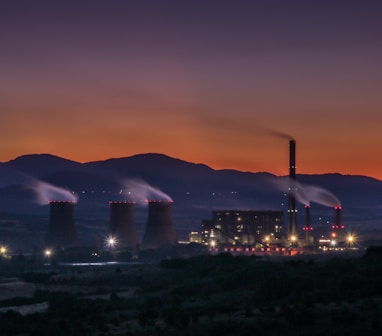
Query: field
x,y
201,295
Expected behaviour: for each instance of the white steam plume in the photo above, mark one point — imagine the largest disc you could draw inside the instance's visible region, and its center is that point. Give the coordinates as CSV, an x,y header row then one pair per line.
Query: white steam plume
x,y
321,196
140,191
288,184
307,193
47,192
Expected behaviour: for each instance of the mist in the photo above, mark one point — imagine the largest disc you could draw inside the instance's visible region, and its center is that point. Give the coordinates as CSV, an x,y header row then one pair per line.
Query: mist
x,y
306,193
140,191
46,193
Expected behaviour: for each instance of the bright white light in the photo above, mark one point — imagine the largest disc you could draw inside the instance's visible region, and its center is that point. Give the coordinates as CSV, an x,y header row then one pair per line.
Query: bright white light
x,y
3,249
111,241
48,252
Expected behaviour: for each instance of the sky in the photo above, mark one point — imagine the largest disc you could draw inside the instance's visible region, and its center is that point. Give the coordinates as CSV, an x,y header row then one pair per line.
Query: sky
x,y
224,83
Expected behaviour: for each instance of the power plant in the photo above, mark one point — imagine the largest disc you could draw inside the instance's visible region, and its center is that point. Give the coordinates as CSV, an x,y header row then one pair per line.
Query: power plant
x,y
242,227
233,227
160,230
122,225
61,231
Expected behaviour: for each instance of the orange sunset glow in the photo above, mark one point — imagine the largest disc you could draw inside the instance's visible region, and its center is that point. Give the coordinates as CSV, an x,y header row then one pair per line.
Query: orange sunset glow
x,y
204,81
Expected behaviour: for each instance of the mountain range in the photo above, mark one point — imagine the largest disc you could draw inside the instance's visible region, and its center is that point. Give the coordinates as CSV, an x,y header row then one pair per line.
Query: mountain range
x,y
196,190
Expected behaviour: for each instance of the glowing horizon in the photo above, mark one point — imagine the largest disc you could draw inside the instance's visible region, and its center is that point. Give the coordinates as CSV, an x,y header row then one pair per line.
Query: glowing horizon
x,y
220,85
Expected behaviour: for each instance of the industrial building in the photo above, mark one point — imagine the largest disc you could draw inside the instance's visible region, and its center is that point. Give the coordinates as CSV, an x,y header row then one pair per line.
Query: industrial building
x,y
238,227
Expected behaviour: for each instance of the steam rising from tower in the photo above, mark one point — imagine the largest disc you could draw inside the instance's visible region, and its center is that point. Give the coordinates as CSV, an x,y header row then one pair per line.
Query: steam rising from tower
x,y
122,225
159,230
46,192
292,224
61,229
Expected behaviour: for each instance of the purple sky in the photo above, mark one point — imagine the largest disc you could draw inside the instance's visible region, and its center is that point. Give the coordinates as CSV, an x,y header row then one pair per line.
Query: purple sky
x,y
204,81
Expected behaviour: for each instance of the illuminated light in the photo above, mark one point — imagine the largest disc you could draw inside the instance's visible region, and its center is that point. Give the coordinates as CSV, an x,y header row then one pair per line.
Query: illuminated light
x,y
212,243
3,249
342,226
333,234
111,242
293,238
48,253
350,238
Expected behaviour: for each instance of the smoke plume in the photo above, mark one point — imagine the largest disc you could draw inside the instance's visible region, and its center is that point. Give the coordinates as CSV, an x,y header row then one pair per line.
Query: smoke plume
x,y
306,193
47,192
278,134
140,191
321,196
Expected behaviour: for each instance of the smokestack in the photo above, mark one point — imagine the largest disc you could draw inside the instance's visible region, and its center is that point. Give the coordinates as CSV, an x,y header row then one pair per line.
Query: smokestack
x,y
292,225
307,219
338,227
308,227
159,230
338,215
122,225
61,230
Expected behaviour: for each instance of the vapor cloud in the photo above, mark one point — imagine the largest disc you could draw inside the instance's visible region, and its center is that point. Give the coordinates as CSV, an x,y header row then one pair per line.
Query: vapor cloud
x,y
140,191
46,192
307,193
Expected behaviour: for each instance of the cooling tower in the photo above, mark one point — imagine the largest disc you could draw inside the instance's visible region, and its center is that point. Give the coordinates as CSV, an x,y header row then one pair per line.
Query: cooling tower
x,y
61,230
292,224
160,229
122,225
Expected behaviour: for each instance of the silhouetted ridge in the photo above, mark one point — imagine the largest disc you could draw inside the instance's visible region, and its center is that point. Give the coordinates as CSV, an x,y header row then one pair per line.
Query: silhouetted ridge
x,y
38,165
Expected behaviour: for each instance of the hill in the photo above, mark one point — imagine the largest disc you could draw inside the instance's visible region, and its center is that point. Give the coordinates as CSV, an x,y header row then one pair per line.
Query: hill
x,y
195,188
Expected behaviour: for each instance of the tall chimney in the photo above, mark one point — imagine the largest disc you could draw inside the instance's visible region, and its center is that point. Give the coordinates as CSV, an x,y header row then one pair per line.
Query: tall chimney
x,y
308,227
338,229
338,215
122,224
307,219
292,225
160,229
61,229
